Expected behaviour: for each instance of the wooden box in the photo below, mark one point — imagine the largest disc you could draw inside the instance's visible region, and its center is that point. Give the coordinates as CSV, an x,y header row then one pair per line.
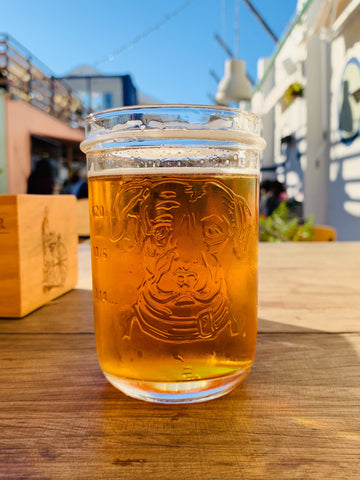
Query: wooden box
x,y
83,217
38,250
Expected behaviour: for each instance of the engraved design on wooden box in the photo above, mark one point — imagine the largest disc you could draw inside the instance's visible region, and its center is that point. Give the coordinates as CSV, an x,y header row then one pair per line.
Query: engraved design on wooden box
x,y
55,257
3,228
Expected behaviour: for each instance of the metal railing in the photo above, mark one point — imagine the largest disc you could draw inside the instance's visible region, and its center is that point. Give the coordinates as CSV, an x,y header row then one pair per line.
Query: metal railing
x,y
27,78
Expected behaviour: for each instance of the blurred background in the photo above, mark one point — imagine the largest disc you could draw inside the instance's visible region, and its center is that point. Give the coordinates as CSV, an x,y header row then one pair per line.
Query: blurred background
x,y
294,63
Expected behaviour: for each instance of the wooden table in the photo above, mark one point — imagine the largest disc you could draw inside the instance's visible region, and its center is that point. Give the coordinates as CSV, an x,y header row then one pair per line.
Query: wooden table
x,y
297,415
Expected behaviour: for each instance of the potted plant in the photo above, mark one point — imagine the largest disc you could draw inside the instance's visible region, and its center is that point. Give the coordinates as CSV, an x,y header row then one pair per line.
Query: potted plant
x,y
282,226
293,91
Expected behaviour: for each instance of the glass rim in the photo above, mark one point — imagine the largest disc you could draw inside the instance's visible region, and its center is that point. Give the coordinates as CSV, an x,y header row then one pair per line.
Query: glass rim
x,y
147,122
170,106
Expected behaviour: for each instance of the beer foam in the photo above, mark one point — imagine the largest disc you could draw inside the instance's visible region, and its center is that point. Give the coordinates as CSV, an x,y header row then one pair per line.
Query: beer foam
x,y
169,171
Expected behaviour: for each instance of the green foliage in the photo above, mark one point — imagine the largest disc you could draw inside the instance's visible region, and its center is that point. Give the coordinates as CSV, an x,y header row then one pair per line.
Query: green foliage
x,y
294,90
281,226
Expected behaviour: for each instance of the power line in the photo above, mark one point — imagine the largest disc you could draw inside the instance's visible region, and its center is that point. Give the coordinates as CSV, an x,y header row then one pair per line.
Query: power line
x,y
144,34
224,45
261,20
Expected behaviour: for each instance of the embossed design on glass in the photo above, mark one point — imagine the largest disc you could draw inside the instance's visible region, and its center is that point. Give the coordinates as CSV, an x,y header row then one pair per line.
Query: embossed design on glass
x,y
180,227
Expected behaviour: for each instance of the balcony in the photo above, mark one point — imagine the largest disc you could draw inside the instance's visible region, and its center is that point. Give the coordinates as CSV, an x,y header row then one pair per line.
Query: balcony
x,y
27,79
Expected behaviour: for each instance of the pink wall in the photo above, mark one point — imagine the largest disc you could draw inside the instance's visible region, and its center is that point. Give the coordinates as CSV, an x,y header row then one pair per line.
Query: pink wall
x,y
24,120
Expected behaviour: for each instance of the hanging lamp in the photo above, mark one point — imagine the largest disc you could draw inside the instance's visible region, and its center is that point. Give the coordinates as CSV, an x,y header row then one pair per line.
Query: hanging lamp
x,y
235,86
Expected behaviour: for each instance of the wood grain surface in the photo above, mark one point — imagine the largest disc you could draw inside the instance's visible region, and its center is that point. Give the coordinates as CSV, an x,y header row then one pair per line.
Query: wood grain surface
x,y
38,251
297,415
313,285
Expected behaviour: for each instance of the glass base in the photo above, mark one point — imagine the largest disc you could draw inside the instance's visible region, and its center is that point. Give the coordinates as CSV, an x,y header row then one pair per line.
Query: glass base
x,y
178,392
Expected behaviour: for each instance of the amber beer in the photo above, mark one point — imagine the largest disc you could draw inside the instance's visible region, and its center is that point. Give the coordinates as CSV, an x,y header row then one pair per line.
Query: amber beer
x,y
173,194
174,276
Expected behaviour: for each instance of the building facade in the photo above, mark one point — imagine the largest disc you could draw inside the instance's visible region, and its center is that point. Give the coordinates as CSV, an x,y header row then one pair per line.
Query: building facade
x,y
42,116
100,92
308,95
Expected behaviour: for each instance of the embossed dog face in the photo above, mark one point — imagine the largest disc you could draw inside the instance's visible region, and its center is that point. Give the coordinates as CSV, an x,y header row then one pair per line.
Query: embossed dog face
x,y
181,228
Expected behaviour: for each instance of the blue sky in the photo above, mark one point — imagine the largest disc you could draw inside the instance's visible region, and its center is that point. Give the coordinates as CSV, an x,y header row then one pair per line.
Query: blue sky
x,y
172,63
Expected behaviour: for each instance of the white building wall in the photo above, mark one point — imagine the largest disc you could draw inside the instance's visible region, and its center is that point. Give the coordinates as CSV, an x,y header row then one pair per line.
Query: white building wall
x,y
317,120
344,168
321,166
280,119
268,118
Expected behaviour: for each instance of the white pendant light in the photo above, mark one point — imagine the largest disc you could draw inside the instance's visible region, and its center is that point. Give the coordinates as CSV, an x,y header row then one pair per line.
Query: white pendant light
x,y
235,86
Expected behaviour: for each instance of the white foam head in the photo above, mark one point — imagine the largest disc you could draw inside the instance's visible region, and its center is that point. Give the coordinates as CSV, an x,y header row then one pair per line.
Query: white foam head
x,y
169,171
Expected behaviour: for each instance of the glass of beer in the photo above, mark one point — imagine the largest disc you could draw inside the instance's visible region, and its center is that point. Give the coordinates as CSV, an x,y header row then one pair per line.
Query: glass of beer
x,y
173,194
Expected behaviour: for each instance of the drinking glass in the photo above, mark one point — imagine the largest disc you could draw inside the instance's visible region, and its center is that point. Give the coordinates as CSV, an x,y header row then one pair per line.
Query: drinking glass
x,y
173,195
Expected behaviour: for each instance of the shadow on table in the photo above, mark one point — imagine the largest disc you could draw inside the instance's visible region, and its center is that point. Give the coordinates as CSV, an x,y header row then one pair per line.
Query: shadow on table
x,y
295,416
287,355
284,418
69,313
270,326
300,356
